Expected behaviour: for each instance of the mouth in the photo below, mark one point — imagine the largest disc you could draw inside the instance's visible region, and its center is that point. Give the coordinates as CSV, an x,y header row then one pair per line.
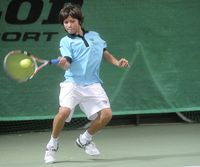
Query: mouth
x,y
70,31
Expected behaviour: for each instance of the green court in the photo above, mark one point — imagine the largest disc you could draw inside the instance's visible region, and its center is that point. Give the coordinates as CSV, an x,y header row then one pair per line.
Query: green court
x,y
168,145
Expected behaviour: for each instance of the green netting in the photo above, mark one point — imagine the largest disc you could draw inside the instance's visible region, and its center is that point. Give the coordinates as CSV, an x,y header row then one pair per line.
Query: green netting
x,y
160,38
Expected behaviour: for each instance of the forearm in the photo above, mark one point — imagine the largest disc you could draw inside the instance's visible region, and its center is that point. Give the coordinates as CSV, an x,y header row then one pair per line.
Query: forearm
x,y
111,59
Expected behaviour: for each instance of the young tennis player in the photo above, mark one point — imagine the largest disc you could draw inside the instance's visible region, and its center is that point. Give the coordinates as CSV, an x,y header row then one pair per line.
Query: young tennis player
x,y
82,52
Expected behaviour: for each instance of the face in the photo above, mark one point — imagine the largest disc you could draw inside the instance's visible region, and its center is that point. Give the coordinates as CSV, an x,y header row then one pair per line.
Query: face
x,y
72,25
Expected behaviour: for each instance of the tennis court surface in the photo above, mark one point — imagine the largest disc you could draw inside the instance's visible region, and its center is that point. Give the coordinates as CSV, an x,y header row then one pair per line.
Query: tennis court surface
x,y
168,145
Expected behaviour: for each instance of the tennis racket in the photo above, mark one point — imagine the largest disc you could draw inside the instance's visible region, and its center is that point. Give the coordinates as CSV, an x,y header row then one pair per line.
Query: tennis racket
x,y
14,69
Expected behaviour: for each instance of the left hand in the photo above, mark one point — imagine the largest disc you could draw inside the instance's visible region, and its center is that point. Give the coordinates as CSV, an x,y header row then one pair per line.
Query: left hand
x,y
123,63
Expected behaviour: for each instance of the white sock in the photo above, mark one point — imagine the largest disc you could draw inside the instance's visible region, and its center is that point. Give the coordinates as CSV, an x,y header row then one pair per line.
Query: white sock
x,y
86,137
53,142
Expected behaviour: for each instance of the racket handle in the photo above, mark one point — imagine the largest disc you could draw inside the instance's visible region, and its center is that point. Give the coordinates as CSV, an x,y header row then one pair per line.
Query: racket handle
x,y
54,61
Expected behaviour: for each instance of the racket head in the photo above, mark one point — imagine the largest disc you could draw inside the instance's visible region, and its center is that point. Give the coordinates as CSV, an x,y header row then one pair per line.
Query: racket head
x,y
13,68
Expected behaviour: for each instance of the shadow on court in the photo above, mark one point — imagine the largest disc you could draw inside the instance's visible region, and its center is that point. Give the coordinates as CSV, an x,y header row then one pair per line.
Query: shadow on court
x,y
140,158
172,145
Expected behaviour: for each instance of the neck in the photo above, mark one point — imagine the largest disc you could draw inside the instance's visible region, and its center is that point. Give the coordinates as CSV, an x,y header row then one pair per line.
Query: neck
x,y
80,32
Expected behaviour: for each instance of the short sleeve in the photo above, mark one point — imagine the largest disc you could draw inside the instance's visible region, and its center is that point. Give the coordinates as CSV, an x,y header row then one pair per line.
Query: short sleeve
x,y
103,41
104,44
65,49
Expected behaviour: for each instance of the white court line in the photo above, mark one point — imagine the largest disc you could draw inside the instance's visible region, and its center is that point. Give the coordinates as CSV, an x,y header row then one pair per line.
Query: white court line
x,y
192,166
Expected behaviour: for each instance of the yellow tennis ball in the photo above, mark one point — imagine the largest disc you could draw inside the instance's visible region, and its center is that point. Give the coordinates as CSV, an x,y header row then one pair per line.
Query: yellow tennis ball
x,y
25,63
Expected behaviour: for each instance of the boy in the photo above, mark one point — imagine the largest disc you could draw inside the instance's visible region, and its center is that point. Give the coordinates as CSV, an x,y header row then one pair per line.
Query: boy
x,y
82,52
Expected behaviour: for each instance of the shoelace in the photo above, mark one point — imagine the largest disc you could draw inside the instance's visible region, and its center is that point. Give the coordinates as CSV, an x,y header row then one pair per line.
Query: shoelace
x,y
84,145
52,149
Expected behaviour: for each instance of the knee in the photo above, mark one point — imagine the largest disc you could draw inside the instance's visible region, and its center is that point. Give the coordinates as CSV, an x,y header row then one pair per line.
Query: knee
x,y
63,112
106,114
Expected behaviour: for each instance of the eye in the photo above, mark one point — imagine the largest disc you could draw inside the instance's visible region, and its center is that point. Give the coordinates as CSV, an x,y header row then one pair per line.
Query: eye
x,y
65,22
72,21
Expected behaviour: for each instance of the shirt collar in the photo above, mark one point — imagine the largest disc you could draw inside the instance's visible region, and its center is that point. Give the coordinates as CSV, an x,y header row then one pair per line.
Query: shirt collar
x,y
74,35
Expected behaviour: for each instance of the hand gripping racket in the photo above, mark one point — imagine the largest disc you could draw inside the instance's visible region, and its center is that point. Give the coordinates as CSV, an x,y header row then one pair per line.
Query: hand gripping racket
x,y
14,68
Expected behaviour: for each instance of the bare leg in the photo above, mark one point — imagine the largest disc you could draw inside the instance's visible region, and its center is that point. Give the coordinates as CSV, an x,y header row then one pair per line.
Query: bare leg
x,y
58,124
104,116
101,121
59,121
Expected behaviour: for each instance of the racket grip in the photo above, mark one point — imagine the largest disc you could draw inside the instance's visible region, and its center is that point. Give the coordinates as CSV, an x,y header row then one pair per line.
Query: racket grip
x,y
54,61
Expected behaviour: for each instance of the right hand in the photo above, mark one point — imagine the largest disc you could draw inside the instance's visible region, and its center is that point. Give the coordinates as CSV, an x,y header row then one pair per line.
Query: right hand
x,y
63,63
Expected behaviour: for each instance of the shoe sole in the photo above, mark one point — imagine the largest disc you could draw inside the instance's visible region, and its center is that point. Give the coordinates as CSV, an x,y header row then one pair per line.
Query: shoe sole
x,y
49,162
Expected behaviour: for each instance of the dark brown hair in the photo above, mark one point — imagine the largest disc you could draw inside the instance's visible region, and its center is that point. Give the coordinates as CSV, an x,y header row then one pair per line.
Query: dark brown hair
x,y
71,10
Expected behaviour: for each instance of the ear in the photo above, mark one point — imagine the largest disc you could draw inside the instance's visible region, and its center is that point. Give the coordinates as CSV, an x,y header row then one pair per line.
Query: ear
x,y
80,22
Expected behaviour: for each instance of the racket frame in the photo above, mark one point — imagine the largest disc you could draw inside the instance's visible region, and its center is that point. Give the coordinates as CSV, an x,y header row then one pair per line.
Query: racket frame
x,y
34,59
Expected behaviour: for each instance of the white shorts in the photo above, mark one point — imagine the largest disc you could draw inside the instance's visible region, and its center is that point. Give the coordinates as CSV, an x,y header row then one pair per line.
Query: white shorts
x,y
91,98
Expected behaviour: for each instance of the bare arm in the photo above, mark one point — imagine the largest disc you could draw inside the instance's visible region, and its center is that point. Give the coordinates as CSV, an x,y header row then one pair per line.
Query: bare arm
x,y
111,59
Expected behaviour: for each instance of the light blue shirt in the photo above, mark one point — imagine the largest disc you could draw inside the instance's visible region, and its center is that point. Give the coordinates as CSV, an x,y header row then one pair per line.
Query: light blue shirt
x,y
86,53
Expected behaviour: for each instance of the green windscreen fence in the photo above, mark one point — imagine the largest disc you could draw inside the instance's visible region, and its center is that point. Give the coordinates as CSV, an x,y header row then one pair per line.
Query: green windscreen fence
x,y
160,38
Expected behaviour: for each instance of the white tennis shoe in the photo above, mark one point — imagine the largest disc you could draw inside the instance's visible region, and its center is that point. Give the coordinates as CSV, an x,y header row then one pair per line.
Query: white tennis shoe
x,y
50,154
90,147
